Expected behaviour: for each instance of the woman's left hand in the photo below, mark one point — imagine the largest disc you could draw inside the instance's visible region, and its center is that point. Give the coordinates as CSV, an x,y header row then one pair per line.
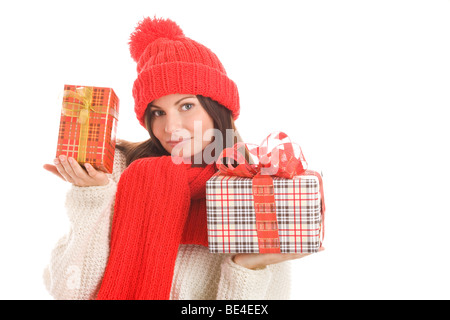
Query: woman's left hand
x,y
257,261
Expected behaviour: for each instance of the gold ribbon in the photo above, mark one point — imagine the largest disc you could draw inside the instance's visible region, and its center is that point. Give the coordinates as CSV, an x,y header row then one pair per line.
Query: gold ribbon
x,y
81,110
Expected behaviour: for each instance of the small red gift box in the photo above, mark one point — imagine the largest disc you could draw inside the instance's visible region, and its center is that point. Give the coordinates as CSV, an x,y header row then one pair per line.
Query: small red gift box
x,y
88,126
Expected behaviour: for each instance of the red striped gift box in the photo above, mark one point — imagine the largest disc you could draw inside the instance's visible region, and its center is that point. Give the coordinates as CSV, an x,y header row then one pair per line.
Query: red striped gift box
x,y
236,221
88,126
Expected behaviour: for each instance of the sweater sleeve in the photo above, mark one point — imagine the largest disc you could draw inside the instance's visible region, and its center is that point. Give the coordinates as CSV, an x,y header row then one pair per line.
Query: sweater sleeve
x,y
239,283
78,261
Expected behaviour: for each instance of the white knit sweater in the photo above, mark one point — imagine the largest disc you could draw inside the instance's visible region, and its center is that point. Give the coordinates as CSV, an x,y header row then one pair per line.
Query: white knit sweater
x,y
79,259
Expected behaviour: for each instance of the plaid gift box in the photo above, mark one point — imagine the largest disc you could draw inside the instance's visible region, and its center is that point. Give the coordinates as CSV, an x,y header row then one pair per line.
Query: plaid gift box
x,y
88,126
239,224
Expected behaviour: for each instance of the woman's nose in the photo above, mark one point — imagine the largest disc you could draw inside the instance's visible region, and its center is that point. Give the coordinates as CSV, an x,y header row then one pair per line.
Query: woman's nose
x,y
173,123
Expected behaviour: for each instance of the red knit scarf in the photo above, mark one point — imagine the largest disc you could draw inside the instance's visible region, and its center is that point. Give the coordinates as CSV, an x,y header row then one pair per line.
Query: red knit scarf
x,y
158,206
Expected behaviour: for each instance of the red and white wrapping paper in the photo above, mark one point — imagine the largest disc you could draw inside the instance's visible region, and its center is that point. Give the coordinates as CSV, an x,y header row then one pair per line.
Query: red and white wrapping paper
x,y
251,212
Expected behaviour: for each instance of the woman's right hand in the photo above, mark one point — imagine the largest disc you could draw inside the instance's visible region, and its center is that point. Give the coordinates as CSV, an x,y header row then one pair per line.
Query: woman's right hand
x,y
68,169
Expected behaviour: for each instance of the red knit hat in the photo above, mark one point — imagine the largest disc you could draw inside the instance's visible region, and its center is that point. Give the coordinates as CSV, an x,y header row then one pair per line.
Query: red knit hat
x,y
168,62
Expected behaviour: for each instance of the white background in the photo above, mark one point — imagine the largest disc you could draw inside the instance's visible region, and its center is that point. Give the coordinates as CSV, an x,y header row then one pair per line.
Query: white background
x,y
362,86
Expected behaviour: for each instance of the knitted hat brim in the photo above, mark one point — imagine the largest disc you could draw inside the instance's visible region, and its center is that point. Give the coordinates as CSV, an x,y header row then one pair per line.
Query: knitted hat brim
x,y
184,78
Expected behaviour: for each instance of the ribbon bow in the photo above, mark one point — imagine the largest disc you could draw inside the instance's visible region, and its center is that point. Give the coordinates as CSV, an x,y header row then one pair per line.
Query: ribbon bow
x,y
82,108
78,109
277,156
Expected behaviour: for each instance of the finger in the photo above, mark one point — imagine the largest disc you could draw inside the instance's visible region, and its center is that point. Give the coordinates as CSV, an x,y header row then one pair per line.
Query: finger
x,y
300,255
91,170
77,169
289,256
51,168
98,176
62,171
67,166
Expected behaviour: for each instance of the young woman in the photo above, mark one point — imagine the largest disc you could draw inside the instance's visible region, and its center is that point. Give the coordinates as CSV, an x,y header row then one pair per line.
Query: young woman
x,y
140,232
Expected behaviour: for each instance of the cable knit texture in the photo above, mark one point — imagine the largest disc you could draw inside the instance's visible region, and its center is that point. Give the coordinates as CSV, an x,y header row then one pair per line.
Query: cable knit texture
x,y
78,261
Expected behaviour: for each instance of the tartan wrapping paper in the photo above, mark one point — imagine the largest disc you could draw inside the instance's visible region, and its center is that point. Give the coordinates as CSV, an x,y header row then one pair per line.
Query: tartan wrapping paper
x,y
101,131
231,215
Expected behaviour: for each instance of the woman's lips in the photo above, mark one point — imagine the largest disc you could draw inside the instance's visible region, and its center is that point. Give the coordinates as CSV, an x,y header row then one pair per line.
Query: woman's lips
x,y
174,143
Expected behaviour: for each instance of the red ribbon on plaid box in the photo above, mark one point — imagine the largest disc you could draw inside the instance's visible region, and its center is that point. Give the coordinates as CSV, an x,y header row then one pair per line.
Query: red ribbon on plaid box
x,y
277,157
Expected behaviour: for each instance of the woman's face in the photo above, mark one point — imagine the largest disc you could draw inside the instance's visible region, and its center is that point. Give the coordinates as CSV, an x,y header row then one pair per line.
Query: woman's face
x,y
181,124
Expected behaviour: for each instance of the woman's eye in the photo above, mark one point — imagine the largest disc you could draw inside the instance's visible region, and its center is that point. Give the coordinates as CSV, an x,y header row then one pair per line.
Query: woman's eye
x,y
156,113
188,106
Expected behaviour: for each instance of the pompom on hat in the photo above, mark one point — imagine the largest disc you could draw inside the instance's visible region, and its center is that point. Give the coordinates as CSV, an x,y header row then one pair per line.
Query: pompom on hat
x,y
168,62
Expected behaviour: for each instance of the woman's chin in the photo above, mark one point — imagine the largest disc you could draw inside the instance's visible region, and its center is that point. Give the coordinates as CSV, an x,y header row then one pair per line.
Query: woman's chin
x,y
188,157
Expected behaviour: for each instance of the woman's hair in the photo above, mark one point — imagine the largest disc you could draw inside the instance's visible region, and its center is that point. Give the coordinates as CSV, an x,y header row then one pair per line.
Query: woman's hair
x,y
221,116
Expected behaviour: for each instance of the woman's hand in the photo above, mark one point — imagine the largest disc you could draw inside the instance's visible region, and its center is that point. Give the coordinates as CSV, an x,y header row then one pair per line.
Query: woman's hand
x,y
257,261
69,170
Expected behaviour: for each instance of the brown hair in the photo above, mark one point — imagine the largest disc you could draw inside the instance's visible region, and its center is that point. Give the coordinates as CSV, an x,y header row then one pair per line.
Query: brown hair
x,y
221,116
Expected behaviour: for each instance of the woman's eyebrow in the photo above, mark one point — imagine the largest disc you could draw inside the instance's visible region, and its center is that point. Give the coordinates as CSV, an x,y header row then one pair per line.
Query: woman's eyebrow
x,y
154,106
183,99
